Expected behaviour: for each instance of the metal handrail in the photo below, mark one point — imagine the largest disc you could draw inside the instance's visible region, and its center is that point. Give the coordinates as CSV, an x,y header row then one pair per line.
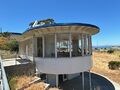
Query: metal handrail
x,y
4,81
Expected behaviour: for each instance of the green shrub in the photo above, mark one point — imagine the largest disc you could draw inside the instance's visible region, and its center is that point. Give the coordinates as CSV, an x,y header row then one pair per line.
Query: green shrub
x,y
12,45
114,65
110,51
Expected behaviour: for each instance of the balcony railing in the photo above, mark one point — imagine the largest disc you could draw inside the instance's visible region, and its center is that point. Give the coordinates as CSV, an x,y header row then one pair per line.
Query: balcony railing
x,y
63,65
4,82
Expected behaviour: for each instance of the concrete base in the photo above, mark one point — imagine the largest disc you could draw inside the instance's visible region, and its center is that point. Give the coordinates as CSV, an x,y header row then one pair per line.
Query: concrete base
x,y
71,76
51,78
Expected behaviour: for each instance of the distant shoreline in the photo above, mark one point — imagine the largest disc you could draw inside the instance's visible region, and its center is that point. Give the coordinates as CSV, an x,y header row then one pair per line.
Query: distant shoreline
x,y
106,46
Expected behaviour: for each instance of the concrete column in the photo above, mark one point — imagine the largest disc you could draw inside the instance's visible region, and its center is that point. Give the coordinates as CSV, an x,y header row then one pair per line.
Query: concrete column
x,y
90,80
55,46
36,49
83,86
85,44
33,51
33,46
57,80
26,51
43,44
82,45
70,42
90,45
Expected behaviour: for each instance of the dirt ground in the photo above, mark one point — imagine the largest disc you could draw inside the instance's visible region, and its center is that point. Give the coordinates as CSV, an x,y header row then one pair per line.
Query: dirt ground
x,y
100,64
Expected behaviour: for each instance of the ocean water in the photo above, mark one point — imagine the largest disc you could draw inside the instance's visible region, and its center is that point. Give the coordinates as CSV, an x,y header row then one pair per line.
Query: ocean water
x,y
105,46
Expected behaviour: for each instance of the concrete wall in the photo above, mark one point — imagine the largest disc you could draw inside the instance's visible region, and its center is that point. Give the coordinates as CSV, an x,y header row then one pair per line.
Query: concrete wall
x,y
26,48
63,65
22,69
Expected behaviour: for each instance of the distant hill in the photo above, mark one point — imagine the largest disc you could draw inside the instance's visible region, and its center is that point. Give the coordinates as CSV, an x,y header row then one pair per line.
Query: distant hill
x,y
9,41
104,46
107,46
10,35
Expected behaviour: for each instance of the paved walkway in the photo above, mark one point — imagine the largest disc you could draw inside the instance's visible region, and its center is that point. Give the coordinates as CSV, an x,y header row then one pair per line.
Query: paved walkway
x,y
98,83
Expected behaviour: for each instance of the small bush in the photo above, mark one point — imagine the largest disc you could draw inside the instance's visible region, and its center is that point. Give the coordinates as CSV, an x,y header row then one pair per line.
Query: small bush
x,y
110,51
6,44
114,65
13,45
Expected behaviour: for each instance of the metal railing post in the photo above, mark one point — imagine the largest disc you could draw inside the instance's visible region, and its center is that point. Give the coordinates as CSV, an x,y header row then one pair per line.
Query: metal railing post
x,y
4,81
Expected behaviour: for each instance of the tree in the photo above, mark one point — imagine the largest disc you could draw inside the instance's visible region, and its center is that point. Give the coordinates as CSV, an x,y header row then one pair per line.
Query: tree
x,y
49,21
46,21
5,34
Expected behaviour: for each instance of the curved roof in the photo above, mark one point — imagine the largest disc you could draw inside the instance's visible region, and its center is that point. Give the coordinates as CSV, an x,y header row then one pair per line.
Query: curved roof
x,y
96,28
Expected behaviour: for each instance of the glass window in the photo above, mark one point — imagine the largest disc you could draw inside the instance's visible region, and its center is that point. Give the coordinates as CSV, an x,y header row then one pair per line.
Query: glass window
x,y
63,45
89,46
49,45
39,47
80,44
86,44
76,45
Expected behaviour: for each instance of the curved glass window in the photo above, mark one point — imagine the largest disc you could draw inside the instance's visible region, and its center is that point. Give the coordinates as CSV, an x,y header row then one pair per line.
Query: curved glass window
x,y
76,45
39,47
63,43
87,44
49,45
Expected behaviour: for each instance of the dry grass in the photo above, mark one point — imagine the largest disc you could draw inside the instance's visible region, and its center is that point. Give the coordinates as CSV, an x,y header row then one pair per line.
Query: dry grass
x,y
100,64
7,54
17,82
37,86
22,83
3,41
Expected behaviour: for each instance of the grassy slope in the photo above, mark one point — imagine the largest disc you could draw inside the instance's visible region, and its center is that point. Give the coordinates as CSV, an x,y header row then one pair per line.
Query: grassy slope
x,y
18,82
100,64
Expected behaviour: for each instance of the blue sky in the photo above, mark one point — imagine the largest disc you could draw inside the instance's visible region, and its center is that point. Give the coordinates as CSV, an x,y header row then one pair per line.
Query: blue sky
x,y
15,15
